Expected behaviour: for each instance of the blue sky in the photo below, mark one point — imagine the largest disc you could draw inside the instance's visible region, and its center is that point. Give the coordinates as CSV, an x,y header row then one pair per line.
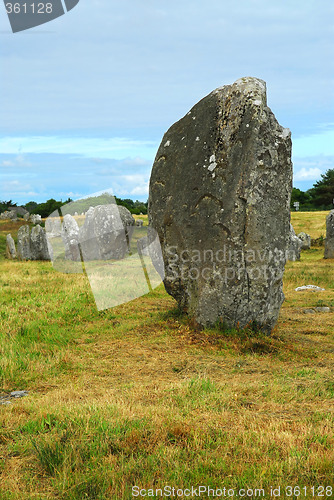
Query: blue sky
x,y
86,98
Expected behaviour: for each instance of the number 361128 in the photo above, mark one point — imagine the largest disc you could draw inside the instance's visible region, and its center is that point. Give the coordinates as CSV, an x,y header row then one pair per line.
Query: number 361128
x,y
29,8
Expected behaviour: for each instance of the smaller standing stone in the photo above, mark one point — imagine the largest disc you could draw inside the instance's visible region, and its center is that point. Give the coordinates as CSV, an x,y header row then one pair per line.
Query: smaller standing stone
x,y
106,233
139,223
305,239
10,247
24,243
329,243
40,247
8,215
294,246
35,218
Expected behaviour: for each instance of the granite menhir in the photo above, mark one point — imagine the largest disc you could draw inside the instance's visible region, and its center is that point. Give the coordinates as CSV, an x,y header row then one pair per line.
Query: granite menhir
x,y
220,202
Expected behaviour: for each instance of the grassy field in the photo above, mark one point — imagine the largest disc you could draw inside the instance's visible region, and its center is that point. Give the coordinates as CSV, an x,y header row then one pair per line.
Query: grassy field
x,y
136,395
312,223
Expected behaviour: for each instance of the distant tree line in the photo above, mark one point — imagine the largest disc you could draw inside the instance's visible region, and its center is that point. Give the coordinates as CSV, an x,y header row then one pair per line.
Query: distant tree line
x,y
319,197
4,205
47,208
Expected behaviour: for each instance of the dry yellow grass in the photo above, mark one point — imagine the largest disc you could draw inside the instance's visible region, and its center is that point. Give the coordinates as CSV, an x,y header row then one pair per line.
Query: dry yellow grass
x,y
312,223
138,395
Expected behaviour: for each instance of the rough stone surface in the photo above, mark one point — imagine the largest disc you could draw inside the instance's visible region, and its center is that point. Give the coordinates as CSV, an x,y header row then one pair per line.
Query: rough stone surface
x,y
8,215
7,399
70,237
34,245
219,200
39,245
106,232
10,247
139,222
294,246
24,243
35,218
305,240
19,211
317,310
329,243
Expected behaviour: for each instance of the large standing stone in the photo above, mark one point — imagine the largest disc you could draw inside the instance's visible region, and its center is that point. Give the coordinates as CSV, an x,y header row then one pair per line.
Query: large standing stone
x,y
220,202
106,232
329,243
305,240
10,247
294,246
70,236
24,243
40,247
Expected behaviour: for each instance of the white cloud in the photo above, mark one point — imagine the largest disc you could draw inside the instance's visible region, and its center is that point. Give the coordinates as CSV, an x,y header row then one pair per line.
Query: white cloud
x,y
12,189
18,161
307,174
140,190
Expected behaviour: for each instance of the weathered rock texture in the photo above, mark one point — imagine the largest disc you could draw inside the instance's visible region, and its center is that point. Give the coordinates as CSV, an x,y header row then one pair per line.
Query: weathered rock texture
x,y
10,247
39,245
35,218
8,215
24,243
34,245
106,232
19,211
219,200
329,243
294,246
305,240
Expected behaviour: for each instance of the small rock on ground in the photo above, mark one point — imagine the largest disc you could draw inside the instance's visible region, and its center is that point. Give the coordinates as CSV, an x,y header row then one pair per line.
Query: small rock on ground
x,y
7,398
316,309
313,288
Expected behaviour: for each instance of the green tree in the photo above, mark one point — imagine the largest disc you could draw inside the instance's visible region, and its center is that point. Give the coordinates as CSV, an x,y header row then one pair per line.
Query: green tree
x,y
30,206
322,193
4,205
303,198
